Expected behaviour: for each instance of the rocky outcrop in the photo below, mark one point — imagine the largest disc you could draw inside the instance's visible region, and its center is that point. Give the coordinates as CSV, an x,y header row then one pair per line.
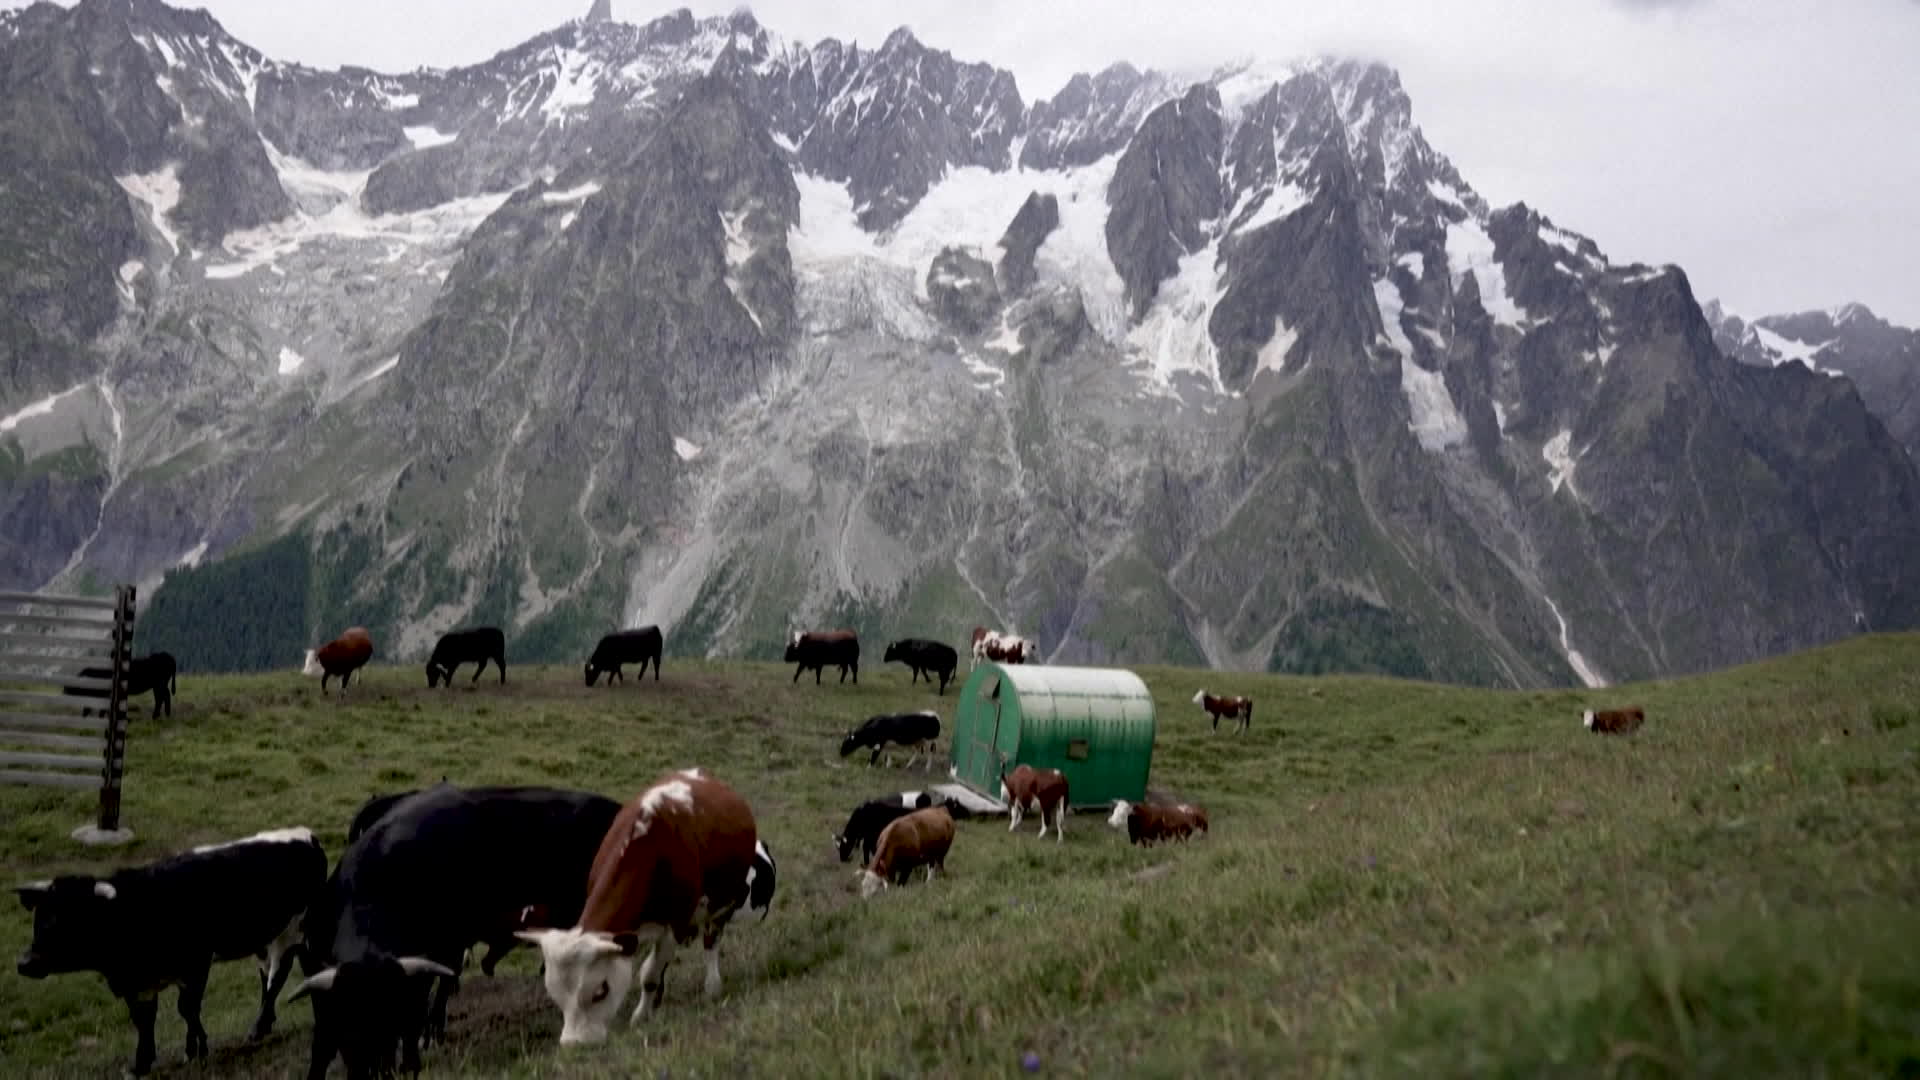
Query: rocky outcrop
x,y
1037,219
962,289
1165,190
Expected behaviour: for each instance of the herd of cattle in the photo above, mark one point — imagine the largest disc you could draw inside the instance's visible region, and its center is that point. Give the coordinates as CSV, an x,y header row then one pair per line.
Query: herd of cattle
x,y
382,939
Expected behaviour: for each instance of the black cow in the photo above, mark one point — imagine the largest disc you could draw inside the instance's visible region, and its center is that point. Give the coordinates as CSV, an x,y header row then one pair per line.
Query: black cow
x,y
760,880
925,657
626,647
156,673
820,648
475,645
166,923
438,871
915,730
862,831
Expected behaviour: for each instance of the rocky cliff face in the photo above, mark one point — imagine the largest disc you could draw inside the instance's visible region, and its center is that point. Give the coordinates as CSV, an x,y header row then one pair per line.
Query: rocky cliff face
x,y
687,323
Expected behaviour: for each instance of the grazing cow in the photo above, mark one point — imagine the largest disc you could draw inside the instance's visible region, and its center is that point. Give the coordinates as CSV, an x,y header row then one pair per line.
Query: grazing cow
x,y
817,649
167,923
156,673
340,658
475,645
760,881
916,731
623,647
679,860
911,841
865,824
1004,648
1614,721
1042,790
1229,707
925,657
1150,823
440,870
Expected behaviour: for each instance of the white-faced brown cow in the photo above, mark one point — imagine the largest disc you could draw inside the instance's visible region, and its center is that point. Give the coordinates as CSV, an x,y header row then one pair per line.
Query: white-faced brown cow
x,y
1002,648
909,842
676,862
1148,824
1229,707
1041,790
1614,721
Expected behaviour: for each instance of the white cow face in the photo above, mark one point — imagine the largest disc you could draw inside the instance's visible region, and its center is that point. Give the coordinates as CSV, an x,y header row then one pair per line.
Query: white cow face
x,y
588,975
1118,819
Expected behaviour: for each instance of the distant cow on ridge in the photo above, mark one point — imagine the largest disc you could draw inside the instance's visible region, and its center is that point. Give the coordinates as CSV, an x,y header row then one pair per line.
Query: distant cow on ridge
x,y
340,658
475,645
1614,721
144,673
1240,708
925,657
624,647
818,649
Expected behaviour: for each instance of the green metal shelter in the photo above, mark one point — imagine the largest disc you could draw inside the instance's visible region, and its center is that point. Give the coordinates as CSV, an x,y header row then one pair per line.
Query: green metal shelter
x,y
1094,724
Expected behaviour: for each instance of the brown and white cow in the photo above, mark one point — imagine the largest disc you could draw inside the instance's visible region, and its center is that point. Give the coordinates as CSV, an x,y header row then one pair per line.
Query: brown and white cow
x,y
1614,721
675,862
1150,823
909,842
1002,648
1229,707
1043,790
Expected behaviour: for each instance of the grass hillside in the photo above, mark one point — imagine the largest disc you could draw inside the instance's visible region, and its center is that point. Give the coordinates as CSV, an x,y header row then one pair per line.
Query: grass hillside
x,y
1403,879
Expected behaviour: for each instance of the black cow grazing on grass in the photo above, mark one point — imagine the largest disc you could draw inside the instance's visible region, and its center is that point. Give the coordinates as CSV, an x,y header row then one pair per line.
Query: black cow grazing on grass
x,y
156,673
166,923
916,731
862,830
475,645
925,657
438,871
624,647
819,648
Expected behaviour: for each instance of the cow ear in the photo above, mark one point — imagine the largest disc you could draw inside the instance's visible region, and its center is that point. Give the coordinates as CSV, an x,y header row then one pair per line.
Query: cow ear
x,y
31,892
628,943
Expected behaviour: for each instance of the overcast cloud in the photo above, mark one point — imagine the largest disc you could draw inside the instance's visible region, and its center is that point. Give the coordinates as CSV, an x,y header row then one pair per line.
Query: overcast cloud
x,y
1766,146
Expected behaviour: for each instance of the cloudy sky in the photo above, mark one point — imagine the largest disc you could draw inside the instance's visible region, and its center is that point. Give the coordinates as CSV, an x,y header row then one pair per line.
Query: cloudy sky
x,y
1766,146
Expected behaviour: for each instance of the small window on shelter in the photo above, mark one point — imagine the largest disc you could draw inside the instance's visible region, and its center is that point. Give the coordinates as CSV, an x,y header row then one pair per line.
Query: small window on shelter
x,y
1077,750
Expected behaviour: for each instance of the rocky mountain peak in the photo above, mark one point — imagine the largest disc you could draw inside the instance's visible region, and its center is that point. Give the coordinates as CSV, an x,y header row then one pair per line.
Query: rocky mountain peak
x,y
601,11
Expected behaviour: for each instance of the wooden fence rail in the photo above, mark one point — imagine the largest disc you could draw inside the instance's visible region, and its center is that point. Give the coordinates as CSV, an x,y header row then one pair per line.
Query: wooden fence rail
x,y
50,703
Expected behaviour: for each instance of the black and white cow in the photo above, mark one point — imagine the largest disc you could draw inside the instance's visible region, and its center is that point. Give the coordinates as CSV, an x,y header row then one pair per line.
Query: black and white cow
x,y
862,830
925,657
165,924
916,731
760,880
440,870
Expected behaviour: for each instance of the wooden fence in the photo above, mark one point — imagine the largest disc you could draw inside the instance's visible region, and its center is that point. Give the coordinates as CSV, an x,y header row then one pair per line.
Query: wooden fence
x,y
45,644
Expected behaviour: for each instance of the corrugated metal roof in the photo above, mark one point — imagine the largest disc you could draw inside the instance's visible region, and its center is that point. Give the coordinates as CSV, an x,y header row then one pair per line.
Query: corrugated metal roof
x,y
1075,681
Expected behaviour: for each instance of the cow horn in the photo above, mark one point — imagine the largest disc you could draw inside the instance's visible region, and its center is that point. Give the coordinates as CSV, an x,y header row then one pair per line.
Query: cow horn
x,y
321,981
104,891
34,887
417,965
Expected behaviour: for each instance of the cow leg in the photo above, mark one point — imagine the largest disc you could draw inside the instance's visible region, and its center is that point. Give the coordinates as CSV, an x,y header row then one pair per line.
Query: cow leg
x,y
653,976
275,966
142,1007
711,942
1015,815
324,676
192,992
500,663
1060,822
435,1028
856,673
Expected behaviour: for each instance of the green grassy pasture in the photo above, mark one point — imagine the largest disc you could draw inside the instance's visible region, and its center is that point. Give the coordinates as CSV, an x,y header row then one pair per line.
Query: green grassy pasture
x,y
1403,880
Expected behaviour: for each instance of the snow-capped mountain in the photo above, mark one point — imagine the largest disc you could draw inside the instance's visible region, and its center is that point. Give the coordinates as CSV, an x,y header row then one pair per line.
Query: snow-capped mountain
x,y
689,323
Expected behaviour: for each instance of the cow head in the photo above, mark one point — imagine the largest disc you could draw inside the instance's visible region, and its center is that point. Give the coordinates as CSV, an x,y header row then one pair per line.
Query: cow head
x,y
1200,696
312,665
370,1005
851,743
592,673
73,917
1586,719
760,880
893,652
844,845
588,975
1118,819
870,883
435,674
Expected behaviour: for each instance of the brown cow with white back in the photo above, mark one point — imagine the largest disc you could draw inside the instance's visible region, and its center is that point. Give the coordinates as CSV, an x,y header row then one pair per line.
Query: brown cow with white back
x,y
677,861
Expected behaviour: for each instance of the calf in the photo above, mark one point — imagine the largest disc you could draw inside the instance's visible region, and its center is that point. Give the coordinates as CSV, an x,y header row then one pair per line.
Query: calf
x,y
925,657
1229,707
1043,790
865,824
1614,721
819,648
475,645
156,673
623,647
1149,823
916,731
679,860
340,658
167,923
921,838
438,871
